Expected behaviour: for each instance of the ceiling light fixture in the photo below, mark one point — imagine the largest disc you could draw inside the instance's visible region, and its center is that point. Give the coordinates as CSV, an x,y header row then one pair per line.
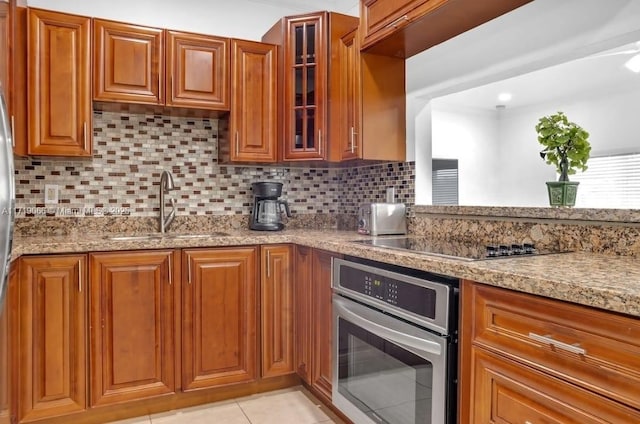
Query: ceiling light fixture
x,y
504,97
633,64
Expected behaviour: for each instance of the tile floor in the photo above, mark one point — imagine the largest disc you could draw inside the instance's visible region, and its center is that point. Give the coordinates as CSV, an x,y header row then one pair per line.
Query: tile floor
x,y
288,406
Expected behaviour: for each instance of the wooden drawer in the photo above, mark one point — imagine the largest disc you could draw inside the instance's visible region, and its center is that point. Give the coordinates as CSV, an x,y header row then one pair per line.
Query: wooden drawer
x,y
382,17
597,350
506,392
403,28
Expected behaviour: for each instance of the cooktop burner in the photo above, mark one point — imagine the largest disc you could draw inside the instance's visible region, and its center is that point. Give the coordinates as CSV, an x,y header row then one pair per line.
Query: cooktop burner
x,y
456,249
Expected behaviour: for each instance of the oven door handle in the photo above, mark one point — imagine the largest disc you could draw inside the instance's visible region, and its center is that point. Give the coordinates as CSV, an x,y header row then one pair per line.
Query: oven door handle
x,y
417,344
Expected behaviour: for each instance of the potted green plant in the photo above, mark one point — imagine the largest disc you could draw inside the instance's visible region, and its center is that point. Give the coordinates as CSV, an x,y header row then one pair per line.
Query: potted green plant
x,y
566,146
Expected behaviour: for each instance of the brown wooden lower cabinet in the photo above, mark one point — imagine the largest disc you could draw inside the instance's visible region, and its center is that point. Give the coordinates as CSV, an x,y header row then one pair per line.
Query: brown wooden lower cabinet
x,y
527,359
507,392
6,365
219,310
133,340
52,336
303,331
313,329
276,305
322,323
142,326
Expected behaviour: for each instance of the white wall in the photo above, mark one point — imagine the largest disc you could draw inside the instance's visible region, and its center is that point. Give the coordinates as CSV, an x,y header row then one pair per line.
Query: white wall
x,y
523,171
231,18
471,136
540,34
498,152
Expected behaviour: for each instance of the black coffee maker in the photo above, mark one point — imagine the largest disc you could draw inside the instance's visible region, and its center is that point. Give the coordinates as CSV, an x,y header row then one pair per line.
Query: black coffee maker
x,y
267,209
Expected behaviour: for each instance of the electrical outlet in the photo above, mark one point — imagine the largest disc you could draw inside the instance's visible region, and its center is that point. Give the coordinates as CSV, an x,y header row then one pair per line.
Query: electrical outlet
x,y
50,194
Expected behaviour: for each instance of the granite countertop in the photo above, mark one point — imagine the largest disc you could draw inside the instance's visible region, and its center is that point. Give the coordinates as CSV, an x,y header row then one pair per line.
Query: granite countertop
x,y
604,281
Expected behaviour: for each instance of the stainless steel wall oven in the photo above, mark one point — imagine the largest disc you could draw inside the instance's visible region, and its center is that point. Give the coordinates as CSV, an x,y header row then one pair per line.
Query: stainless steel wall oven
x,y
395,343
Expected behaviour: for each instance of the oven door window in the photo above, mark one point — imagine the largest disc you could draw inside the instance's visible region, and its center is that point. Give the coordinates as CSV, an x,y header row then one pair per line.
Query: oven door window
x,y
383,380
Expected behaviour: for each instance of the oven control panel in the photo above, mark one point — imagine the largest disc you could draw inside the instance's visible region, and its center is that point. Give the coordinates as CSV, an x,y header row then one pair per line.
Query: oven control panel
x,y
419,297
406,296
387,291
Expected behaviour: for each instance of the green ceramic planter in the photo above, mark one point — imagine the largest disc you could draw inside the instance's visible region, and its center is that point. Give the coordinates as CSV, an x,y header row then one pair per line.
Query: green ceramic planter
x,y
562,193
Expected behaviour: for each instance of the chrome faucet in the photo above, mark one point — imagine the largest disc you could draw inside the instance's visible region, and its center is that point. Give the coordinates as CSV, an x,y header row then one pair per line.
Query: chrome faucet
x,y
166,185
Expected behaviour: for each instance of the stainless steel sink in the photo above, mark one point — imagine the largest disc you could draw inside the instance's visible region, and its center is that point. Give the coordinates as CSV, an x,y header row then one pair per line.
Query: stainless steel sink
x,y
136,238
148,237
195,236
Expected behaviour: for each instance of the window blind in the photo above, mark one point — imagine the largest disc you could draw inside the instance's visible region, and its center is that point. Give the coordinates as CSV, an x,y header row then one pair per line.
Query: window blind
x,y
610,182
444,180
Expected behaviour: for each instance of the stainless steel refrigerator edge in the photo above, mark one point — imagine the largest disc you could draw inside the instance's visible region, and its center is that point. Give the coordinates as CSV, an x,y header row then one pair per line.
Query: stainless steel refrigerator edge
x,y
7,198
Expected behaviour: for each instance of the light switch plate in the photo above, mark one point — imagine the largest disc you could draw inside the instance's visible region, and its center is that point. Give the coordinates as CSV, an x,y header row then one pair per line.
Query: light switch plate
x,y
50,194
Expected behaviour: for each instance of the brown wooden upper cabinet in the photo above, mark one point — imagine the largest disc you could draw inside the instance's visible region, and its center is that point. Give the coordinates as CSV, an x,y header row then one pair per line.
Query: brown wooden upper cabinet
x,y
254,109
128,63
348,127
308,51
13,75
403,28
197,71
136,64
369,122
59,75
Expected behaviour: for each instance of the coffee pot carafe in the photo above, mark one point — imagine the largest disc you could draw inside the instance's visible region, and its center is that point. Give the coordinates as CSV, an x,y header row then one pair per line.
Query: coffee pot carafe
x,y
267,208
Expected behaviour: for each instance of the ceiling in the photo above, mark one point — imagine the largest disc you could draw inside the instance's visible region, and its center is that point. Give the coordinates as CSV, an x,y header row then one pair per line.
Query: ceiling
x,y
599,73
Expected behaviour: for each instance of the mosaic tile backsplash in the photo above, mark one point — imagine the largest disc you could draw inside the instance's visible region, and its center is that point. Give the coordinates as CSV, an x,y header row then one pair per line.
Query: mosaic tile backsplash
x,y
132,149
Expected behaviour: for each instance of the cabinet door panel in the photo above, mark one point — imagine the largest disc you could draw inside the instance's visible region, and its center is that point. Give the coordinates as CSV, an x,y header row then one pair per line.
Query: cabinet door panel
x,y
59,82
348,120
219,317
276,304
132,308
8,338
303,301
305,67
197,71
322,316
128,63
506,392
53,328
254,116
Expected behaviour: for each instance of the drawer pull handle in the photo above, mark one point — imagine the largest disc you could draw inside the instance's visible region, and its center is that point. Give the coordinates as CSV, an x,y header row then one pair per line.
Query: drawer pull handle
x,y
573,348
397,22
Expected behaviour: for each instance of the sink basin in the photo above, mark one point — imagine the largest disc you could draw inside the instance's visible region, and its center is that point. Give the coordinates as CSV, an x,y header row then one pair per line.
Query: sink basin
x,y
136,238
147,237
195,236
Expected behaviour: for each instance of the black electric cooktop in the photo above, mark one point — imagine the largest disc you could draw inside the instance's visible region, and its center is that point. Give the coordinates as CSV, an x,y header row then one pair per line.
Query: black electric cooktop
x,y
457,249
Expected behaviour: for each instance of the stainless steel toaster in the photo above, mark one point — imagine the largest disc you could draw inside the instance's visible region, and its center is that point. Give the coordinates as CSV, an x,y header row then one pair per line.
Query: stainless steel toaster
x,y
377,219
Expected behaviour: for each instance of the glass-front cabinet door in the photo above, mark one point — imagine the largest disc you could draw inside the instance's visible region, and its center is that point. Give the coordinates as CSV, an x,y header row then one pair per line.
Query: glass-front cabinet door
x,y
305,88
